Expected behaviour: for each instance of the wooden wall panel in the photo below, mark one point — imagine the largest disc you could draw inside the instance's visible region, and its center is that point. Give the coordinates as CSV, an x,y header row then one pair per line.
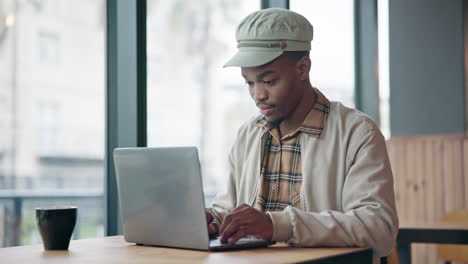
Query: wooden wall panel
x,y
459,181
431,180
439,180
448,175
430,187
401,156
465,168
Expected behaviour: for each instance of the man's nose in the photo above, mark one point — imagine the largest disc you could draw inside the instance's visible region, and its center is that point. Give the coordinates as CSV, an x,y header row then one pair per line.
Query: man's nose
x,y
259,92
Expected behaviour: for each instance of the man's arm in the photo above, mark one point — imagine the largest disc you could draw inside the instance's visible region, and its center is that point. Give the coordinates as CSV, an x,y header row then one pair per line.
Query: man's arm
x,y
369,215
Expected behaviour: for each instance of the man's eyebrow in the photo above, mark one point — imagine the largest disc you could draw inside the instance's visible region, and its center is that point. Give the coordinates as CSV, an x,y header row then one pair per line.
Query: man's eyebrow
x,y
264,74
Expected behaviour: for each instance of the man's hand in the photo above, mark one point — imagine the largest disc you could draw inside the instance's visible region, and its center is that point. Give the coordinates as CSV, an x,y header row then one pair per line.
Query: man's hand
x,y
243,221
212,226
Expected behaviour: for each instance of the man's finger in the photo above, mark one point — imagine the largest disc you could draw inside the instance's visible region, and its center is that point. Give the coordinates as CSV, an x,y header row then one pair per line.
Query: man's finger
x,y
209,217
234,214
242,232
235,225
212,228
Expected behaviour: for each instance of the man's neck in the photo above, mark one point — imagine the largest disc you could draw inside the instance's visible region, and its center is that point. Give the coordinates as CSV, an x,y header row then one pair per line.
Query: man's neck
x,y
288,126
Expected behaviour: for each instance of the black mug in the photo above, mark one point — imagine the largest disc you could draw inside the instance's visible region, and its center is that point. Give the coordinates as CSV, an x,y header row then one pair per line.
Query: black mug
x,y
56,224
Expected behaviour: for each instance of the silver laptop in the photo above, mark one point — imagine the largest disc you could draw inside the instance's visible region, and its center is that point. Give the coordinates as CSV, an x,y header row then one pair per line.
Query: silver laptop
x,y
161,199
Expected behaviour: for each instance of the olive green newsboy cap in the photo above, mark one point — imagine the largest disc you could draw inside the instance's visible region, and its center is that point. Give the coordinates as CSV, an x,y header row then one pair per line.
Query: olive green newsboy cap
x,y
265,34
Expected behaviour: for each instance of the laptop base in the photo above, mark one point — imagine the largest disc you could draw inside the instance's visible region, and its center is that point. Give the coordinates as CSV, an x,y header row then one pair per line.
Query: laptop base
x,y
243,243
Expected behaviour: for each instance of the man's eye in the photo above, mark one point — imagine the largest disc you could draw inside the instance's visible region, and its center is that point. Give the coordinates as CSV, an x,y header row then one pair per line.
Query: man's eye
x,y
269,82
249,83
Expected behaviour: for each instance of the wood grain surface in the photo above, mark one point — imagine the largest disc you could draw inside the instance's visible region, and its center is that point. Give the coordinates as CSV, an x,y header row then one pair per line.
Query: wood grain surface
x,y
431,181
115,250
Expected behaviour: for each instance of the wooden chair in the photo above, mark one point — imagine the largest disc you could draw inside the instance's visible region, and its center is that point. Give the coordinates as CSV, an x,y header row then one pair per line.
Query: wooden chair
x,y
452,252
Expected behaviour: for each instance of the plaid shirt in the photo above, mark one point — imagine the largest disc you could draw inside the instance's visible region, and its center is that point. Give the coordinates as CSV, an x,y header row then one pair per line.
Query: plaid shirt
x,y
281,167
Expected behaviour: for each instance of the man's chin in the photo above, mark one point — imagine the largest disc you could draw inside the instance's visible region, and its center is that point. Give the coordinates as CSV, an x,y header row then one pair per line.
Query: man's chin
x,y
273,121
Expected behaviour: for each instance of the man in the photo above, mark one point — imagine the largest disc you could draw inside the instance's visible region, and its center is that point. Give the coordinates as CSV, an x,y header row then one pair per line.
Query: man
x,y
307,171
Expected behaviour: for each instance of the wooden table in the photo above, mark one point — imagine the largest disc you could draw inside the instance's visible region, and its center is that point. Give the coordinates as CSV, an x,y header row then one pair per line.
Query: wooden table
x,y
115,250
440,233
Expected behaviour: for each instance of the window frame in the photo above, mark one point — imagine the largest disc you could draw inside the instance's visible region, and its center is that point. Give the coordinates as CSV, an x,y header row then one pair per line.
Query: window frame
x,y
126,92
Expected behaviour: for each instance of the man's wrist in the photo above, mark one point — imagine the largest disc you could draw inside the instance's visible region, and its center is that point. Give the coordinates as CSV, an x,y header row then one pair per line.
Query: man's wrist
x,y
282,228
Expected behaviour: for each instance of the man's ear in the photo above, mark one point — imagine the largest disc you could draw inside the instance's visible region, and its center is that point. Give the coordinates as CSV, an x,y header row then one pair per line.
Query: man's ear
x,y
303,68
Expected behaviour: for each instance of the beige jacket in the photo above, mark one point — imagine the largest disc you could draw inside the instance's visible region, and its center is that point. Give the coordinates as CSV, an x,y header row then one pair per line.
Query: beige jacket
x,y
347,194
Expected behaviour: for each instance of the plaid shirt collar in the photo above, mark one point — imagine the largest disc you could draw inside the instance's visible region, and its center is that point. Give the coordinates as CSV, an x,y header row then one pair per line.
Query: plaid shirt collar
x,y
313,123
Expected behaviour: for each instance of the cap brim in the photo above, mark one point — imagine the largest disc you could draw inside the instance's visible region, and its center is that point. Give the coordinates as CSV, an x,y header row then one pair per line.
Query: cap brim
x,y
252,58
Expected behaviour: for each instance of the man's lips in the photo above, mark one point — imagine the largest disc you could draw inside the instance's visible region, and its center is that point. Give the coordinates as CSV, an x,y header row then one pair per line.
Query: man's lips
x,y
265,109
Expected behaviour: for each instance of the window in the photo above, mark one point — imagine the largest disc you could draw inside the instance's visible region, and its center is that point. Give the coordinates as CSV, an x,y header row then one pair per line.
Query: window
x,y
49,47
332,51
384,71
52,119
192,100
48,125
49,6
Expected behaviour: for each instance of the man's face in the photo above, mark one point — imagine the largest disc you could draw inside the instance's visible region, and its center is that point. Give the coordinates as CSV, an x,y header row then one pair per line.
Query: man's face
x,y
274,88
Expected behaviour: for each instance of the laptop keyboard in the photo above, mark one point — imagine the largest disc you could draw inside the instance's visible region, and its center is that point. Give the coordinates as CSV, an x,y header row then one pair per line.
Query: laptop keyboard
x,y
215,244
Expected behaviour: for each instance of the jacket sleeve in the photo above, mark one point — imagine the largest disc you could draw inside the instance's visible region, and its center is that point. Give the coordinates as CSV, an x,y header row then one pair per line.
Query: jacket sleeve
x,y
368,217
